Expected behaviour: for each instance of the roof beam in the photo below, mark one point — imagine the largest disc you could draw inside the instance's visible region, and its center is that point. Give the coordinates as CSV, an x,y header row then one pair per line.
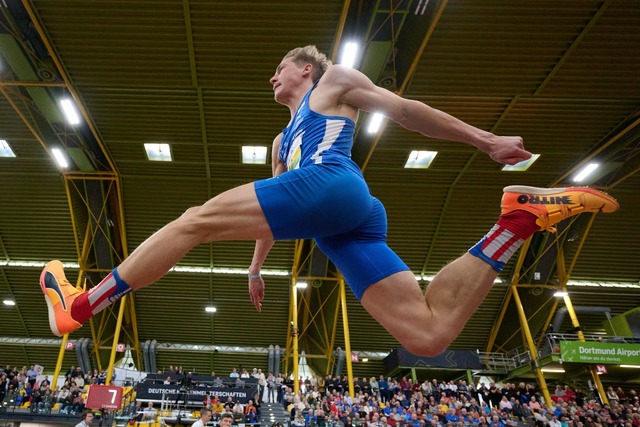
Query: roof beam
x,y
573,46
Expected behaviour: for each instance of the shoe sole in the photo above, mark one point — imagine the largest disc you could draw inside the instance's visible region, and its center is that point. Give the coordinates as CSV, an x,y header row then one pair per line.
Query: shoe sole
x,y
52,313
547,191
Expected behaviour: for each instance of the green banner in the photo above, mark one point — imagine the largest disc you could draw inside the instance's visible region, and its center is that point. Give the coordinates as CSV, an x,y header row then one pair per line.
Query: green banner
x,y
600,352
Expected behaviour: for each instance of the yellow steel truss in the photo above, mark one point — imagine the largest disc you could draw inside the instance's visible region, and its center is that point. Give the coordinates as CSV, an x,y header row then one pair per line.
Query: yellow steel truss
x,y
84,236
563,274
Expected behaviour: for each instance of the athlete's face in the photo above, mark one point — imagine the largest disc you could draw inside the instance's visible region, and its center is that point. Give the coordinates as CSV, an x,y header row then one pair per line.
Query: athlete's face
x,y
288,75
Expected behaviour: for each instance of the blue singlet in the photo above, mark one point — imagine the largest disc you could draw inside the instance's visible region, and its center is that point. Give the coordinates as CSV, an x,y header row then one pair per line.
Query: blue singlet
x,y
323,196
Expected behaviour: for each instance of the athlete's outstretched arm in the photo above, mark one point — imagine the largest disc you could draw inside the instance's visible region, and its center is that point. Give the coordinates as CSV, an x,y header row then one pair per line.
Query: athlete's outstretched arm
x,y
354,88
263,246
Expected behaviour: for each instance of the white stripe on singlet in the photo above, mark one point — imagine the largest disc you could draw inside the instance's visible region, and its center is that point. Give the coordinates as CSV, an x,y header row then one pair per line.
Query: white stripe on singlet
x,y
331,133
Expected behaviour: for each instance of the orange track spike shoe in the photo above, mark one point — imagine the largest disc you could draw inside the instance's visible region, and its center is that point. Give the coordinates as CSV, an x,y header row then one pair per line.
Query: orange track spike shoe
x,y
59,294
552,205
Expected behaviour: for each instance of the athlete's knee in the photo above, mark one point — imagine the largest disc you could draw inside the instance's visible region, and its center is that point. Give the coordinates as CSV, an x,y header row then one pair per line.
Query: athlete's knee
x,y
426,344
197,221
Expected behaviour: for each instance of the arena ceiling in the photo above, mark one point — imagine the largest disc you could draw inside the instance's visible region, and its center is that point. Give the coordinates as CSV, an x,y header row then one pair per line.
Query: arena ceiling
x,y
194,74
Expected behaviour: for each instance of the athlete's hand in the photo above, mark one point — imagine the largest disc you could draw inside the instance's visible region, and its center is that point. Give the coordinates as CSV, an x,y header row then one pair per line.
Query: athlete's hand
x,y
256,292
507,150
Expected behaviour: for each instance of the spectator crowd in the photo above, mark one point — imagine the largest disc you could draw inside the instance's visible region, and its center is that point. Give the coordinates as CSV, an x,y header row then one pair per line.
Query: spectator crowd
x,y
21,388
376,402
387,402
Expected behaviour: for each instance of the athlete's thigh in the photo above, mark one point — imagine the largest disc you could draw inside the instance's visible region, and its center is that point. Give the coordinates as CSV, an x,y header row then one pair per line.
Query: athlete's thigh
x,y
234,215
398,304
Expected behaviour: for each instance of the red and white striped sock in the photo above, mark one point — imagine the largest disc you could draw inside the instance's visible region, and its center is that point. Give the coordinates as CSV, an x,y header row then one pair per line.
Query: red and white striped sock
x,y
504,239
108,291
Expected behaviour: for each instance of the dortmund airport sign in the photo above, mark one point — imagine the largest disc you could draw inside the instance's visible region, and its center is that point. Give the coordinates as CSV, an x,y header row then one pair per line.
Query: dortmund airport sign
x,y
600,352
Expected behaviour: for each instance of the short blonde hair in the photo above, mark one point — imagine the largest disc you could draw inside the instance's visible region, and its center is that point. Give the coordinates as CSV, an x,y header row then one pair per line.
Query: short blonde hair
x,y
310,55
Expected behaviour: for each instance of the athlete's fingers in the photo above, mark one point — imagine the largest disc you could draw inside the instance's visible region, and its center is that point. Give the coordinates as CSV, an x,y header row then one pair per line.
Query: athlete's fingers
x,y
256,292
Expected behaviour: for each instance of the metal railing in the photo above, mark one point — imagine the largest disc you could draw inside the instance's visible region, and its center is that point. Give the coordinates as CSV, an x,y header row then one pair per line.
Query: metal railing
x,y
502,363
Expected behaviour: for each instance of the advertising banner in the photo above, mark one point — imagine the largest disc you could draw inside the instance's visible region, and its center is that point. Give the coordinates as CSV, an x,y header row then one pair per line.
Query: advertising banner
x,y
448,359
600,352
193,396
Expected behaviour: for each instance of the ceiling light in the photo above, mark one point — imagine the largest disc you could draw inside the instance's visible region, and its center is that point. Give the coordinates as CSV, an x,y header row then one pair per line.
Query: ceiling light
x,y
254,155
349,54
430,279
5,149
560,294
301,285
60,157
522,166
210,309
420,159
553,370
70,111
9,302
585,172
603,284
630,366
365,359
215,270
375,123
34,264
158,152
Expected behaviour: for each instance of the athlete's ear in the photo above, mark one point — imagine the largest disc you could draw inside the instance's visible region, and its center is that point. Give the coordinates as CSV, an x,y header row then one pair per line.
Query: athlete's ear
x,y
308,69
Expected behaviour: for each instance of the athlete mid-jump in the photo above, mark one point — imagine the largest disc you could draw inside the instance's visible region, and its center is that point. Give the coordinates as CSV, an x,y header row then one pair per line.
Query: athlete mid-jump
x,y
318,192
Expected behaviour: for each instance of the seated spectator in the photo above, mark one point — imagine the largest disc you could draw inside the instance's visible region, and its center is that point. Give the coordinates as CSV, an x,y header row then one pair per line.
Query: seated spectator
x,y
505,405
207,402
622,398
79,380
298,418
554,422
149,412
534,404
137,412
516,408
62,394
22,394
36,398
238,412
66,404
569,394
46,402
527,414
251,413
102,377
227,410
78,405
216,406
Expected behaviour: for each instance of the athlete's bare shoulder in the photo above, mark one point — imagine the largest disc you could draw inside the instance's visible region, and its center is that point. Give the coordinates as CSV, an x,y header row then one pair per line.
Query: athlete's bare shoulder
x,y
327,96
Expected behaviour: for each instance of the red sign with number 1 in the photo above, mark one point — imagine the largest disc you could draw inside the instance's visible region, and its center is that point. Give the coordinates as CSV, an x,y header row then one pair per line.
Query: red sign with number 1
x,y
104,397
